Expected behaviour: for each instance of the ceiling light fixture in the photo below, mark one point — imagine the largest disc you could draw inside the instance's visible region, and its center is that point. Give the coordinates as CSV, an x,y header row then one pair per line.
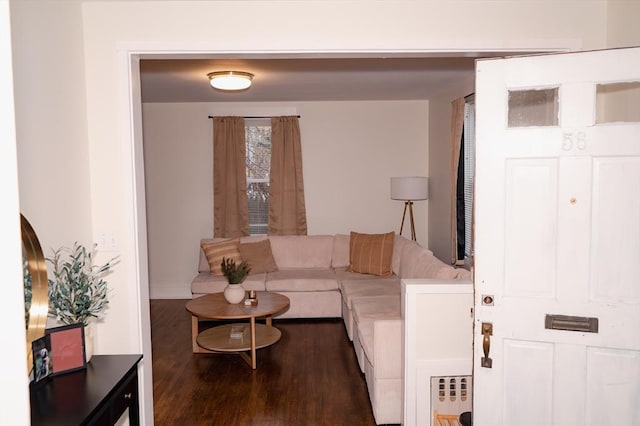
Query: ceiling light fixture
x,y
230,80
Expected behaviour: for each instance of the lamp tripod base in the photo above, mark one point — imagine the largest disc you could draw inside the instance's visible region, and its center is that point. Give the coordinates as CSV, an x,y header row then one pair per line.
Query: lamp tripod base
x,y
408,205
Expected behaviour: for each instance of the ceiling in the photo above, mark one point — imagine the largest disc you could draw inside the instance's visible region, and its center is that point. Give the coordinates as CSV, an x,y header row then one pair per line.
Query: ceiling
x,y
306,79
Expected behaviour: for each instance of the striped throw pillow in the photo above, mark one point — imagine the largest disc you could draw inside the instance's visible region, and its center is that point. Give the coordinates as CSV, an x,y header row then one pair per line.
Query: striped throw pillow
x,y
214,252
371,253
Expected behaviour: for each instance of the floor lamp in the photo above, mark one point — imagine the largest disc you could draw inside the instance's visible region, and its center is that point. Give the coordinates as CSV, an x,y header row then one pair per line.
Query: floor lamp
x,y
409,189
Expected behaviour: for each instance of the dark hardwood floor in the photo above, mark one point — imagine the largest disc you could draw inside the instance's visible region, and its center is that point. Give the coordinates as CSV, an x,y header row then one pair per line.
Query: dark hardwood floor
x,y
309,377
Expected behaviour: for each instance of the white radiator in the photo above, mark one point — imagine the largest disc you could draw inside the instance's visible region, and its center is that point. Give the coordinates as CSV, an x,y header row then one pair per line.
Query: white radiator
x,y
450,397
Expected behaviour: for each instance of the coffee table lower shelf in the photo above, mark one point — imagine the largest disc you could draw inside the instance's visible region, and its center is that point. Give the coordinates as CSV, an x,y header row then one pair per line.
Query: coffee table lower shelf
x,y
218,339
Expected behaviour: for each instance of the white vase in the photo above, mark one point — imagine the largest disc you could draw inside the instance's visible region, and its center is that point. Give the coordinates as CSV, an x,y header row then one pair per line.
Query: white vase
x,y
234,293
88,342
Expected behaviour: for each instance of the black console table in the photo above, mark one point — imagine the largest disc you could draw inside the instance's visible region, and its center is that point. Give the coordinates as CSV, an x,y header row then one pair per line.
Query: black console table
x,y
95,396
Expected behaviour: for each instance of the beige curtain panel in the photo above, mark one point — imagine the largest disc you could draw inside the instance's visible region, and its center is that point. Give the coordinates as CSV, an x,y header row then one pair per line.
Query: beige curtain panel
x,y
287,212
457,123
230,210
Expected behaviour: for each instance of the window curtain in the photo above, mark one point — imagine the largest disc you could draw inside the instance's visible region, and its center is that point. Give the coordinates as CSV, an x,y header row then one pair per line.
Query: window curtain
x,y
287,212
230,211
457,123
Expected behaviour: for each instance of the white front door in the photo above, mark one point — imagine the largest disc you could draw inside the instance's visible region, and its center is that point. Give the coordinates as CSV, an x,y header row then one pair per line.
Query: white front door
x,y
557,240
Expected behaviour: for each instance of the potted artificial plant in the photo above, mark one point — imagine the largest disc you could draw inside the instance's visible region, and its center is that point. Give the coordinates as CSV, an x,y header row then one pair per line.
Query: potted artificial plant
x,y
78,292
235,274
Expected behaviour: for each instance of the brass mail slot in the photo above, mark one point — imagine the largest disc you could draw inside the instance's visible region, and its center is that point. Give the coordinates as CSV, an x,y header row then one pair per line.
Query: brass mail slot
x,y
569,323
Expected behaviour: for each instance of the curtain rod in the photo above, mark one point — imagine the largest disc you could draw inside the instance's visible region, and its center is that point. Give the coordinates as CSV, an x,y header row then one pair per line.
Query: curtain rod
x,y
266,116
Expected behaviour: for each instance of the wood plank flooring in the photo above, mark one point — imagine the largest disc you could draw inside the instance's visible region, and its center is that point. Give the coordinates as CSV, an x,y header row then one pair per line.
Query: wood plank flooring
x,y
310,377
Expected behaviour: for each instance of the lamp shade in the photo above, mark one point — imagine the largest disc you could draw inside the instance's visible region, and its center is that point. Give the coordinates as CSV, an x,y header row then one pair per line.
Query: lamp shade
x,y
410,188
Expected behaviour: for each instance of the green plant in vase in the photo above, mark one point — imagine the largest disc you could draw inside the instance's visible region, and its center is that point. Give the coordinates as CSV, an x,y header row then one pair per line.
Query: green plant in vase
x,y
235,274
78,291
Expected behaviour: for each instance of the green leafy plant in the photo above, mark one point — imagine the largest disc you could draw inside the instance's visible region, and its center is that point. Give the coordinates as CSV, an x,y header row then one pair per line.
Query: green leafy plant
x,y
77,291
235,273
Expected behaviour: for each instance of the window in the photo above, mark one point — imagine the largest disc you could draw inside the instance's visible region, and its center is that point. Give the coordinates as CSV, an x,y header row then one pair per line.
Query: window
x,y
258,161
469,142
536,107
464,190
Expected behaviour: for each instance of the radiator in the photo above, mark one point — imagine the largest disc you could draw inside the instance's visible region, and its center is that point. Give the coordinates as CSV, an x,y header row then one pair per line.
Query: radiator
x,y
450,397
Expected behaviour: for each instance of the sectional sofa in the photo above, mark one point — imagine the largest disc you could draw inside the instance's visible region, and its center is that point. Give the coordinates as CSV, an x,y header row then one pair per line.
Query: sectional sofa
x,y
356,277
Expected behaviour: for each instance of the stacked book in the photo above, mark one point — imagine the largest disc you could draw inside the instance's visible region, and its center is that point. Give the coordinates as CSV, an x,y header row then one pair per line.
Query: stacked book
x,y
237,331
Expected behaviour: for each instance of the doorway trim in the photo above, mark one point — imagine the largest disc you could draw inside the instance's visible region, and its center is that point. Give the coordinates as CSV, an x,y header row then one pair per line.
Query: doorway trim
x,y
131,113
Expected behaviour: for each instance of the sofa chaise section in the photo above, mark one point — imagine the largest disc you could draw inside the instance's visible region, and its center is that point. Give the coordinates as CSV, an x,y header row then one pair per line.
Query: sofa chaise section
x,y
372,311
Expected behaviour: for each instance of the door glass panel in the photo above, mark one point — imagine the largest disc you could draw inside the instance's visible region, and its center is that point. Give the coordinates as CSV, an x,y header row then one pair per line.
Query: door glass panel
x,y
618,102
533,107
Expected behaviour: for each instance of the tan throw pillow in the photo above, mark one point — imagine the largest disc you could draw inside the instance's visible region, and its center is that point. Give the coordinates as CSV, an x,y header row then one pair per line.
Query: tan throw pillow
x,y
214,252
259,256
371,253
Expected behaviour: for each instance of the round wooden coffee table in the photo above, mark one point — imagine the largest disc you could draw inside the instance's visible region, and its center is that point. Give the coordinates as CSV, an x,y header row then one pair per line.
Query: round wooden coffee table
x,y
244,338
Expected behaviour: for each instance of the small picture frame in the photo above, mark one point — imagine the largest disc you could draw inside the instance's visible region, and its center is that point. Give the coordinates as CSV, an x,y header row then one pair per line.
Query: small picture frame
x,y
67,348
42,359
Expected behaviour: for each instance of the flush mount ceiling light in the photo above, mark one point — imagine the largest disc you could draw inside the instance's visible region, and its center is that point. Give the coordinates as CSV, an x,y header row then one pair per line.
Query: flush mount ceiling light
x,y
230,80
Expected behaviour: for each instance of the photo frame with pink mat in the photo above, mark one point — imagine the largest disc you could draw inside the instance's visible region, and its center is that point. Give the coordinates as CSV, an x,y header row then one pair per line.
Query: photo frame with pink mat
x,y
60,351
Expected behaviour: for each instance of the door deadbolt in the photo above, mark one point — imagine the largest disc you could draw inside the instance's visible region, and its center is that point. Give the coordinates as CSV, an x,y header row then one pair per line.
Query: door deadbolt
x,y
487,299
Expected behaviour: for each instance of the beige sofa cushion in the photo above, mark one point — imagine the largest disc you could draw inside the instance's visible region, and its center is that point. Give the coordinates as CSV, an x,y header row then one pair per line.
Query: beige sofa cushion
x,y
378,307
399,243
451,273
301,280
410,253
379,319
340,258
312,304
354,289
427,266
302,252
371,253
342,274
420,263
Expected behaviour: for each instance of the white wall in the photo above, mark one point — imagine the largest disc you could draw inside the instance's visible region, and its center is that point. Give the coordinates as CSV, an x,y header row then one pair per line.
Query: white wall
x,y
349,149
622,23
51,125
623,31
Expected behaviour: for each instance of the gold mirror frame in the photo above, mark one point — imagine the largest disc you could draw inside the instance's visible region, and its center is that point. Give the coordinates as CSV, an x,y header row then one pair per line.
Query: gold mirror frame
x,y
36,320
